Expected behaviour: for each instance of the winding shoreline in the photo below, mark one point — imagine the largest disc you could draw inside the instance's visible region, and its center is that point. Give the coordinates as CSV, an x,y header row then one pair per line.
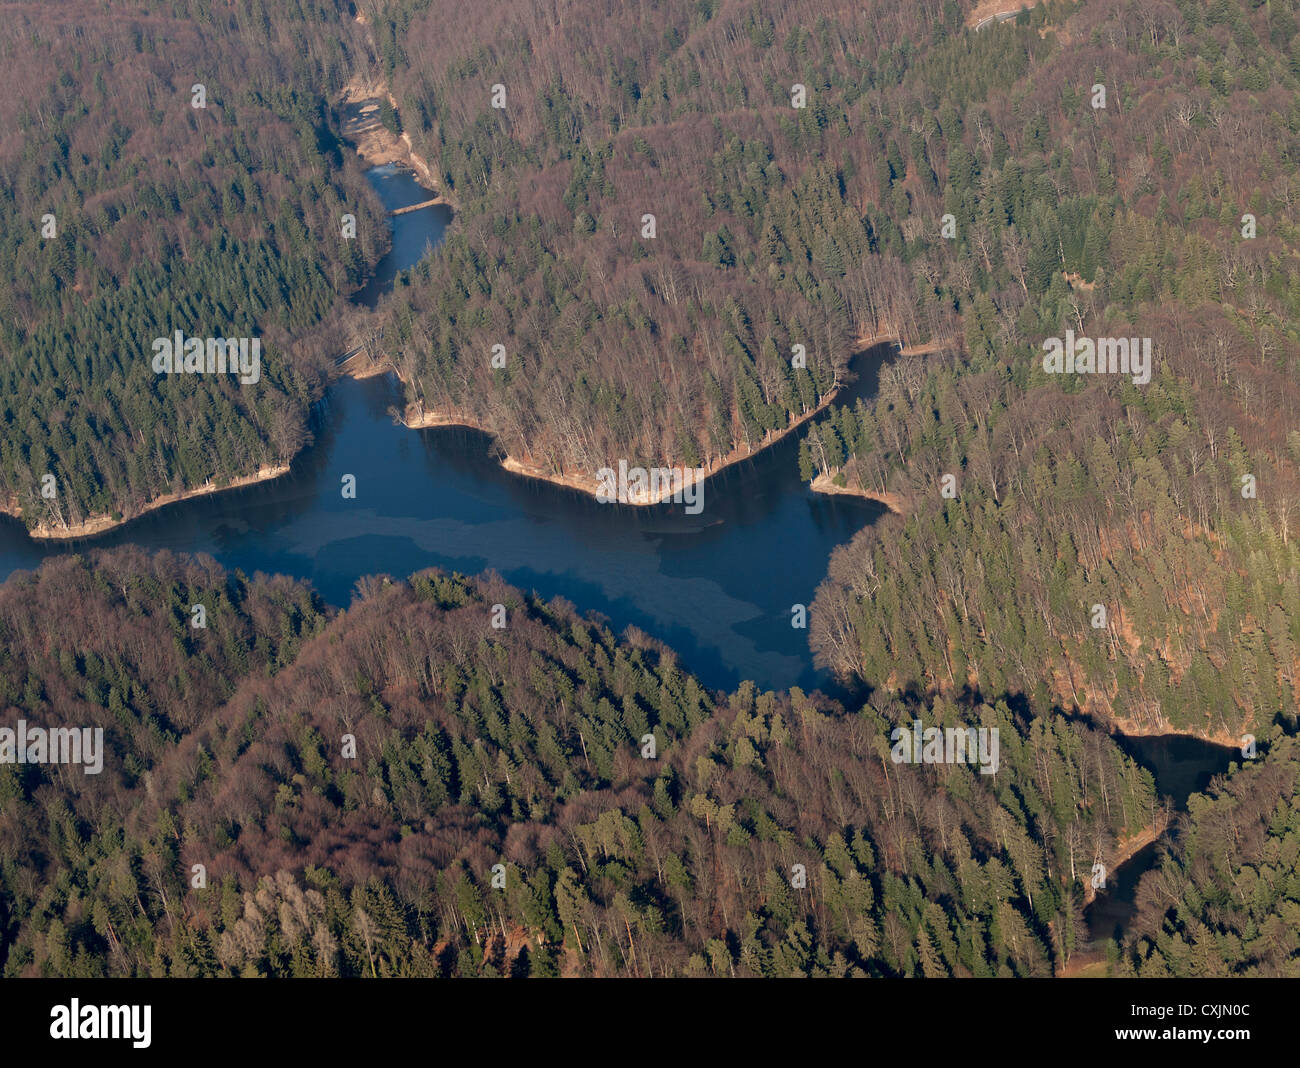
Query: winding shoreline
x,y
590,484
375,145
414,419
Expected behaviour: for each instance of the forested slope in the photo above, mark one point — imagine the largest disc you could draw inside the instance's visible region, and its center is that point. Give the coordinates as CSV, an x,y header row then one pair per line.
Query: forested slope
x,y
521,747
945,185
667,339
220,221
1171,505
1225,901
774,226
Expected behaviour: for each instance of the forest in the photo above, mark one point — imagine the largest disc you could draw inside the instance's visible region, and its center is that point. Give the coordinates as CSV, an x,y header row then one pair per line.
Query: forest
x,y
1208,910
499,815
1172,506
1088,543
651,226
126,213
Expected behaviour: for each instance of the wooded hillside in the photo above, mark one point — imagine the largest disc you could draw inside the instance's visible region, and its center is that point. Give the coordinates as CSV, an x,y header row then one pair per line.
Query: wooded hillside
x,y
520,746
127,213
1170,506
966,189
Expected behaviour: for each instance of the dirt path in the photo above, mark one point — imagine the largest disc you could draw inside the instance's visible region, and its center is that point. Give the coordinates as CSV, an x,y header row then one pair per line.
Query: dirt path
x,y
989,11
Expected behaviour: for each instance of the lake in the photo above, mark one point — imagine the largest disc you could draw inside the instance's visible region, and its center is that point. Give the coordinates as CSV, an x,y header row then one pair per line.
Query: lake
x,y
718,587
1181,766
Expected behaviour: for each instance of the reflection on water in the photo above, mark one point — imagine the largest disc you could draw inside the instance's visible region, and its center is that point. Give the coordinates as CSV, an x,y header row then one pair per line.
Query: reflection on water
x,y
718,586
415,234
1181,766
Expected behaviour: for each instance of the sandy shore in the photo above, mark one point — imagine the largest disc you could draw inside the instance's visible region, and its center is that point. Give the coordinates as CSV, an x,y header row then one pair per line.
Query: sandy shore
x,y
99,524
586,481
373,141
892,501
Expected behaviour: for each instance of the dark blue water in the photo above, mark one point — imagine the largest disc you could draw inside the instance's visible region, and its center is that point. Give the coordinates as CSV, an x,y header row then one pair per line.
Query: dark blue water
x,y
1181,767
718,586
414,235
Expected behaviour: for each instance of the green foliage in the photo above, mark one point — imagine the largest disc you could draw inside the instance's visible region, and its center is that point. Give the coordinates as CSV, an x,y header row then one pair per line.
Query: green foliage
x,y
478,747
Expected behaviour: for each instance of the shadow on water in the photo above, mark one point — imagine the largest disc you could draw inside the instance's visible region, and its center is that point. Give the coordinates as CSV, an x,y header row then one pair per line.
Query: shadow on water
x,y
1181,766
415,234
719,587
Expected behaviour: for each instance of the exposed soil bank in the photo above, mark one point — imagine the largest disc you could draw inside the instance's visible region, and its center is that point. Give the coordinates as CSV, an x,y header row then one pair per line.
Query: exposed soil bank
x,y
1127,848
374,142
99,524
824,483
1219,735
587,482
